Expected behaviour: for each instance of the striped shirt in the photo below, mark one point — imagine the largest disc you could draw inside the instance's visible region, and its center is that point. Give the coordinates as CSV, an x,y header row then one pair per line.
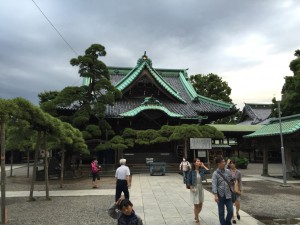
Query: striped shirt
x,y
219,185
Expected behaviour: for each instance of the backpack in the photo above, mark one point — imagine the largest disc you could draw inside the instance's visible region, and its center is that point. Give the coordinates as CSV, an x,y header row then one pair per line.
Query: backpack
x,y
94,168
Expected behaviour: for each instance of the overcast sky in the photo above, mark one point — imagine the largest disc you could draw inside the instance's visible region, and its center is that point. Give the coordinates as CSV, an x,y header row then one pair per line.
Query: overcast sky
x,y
248,43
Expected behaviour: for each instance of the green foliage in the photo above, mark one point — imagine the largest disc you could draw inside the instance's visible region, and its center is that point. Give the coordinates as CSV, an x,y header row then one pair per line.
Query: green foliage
x,y
211,86
118,143
103,146
210,132
185,132
167,131
290,103
241,162
129,133
84,107
80,122
93,130
145,137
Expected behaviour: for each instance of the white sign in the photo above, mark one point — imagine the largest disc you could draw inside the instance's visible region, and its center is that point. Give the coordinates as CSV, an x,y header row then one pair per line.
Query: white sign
x,y
201,153
200,143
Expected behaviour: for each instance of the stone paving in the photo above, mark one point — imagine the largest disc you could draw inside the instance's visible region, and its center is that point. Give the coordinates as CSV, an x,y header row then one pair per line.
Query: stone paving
x,y
160,200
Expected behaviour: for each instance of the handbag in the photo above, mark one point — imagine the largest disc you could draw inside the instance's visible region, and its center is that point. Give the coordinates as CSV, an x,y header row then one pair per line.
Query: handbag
x,y
236,186
233,194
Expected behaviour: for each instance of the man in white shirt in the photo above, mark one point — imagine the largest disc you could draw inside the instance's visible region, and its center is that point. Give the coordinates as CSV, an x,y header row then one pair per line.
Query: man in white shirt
x,y
122,180
185,168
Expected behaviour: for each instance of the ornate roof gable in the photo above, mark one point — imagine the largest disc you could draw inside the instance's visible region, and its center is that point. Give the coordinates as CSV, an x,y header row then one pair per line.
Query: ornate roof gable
x,y
146,63
150,103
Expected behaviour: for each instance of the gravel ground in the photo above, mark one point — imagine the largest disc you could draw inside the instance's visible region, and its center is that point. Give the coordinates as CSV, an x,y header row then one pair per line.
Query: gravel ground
x,y
88,210
85,210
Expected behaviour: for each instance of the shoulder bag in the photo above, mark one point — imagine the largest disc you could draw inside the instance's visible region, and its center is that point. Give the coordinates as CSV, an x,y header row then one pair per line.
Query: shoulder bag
x,y
233,194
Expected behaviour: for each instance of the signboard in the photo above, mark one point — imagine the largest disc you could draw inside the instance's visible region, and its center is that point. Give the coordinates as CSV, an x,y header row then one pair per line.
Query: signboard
x,y
200,143
202,153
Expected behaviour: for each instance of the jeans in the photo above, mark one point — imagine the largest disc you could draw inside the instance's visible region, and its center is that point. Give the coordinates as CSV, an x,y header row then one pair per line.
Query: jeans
x,y
229,206
185,175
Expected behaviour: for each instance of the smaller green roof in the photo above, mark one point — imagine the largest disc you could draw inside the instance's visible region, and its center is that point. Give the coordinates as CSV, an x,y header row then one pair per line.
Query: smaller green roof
x,y
141,108
236,127
289,125
220,146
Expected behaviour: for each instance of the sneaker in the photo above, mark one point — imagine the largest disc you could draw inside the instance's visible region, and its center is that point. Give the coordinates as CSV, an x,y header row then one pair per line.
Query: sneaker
x,y
234,221
238,216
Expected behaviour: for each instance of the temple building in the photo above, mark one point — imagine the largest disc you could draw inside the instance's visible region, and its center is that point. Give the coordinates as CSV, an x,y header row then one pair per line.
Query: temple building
x,y
154,97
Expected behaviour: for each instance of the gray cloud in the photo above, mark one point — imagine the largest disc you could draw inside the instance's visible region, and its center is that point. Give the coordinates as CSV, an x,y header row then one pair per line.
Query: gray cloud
x,y
191,34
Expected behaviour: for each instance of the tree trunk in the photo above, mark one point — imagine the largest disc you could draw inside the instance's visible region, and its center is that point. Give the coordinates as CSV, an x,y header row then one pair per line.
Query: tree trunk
x,y
46,164
11,162
185,148
62,166
28,163
3,173
36,157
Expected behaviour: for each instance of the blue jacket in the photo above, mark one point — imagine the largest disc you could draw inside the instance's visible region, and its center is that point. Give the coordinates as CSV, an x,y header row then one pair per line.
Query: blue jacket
x,y
192,178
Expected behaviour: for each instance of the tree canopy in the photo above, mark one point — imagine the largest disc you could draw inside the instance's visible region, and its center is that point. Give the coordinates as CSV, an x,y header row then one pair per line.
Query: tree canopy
x,y
84,107
290,103
211,86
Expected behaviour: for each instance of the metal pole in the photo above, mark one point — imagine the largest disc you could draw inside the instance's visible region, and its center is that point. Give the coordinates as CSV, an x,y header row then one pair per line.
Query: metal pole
x,y
282,148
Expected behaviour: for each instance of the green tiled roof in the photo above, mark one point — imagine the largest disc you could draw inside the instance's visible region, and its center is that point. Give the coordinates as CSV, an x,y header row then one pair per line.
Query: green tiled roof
x,y
216,102
289,125
188,87
220,146
133,74
141,108
236,128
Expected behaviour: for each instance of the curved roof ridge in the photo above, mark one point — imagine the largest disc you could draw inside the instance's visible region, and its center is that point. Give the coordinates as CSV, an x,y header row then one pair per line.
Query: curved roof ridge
x,y
131,76
250,111
119,84
216,102
137,110
151,69
188,87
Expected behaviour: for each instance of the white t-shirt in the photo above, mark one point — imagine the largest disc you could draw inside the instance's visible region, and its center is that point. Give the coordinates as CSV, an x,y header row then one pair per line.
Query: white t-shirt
x,y
185,166
122,172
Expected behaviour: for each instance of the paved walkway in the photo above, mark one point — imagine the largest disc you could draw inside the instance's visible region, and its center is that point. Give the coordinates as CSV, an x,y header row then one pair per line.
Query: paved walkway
x,y
165,200
159,200
162,200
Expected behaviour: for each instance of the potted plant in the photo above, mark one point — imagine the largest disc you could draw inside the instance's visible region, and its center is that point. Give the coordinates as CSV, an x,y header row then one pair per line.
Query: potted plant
x,y
241,162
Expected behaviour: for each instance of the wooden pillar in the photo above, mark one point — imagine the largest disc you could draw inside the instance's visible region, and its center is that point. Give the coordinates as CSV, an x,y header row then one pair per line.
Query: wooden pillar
x,y
265,171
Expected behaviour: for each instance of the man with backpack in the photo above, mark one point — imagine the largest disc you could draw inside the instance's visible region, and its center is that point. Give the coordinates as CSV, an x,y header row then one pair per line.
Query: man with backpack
x,y
95,171
184,167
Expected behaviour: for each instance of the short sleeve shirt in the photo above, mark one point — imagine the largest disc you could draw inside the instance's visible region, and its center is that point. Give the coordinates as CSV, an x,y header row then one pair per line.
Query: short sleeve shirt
x,y
122,172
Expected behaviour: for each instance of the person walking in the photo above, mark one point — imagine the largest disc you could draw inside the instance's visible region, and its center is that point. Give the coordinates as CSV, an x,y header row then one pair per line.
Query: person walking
x,y
95,170
122,180
221,189
194,180
237,178
185,168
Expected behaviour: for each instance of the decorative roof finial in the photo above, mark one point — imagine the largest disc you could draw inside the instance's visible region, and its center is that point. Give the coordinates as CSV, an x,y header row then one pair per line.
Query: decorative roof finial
x,y
145,56
143,59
